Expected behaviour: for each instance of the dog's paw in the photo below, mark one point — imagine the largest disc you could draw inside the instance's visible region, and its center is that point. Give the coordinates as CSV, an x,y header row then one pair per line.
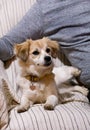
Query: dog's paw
x,y
48,107
82,90
75,72
21,109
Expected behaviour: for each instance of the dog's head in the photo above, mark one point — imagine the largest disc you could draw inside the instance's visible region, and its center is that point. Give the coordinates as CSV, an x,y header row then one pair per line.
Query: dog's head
x,y
37,53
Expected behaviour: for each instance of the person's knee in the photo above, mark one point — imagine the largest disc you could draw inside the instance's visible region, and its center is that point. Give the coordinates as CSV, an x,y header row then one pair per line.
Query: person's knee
x,y
6,50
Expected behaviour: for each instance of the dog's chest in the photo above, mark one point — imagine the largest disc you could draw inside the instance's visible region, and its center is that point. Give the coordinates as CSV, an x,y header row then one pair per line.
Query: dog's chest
x,y
38,87
36,84
37,92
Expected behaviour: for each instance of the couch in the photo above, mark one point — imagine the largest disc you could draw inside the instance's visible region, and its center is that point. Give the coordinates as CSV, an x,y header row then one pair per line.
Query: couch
x,y
70,116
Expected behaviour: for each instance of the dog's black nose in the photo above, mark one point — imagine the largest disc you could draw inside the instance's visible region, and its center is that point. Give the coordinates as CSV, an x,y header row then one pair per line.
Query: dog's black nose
x,y
47,58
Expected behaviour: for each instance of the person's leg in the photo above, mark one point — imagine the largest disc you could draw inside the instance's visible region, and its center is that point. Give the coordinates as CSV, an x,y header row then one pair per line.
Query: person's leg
x,y
79,56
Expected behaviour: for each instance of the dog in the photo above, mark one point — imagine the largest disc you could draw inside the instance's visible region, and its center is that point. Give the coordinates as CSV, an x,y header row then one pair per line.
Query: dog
x,y
36,73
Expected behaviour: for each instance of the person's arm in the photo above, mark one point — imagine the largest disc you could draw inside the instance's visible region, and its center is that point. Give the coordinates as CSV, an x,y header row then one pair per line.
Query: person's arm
x,y
29,27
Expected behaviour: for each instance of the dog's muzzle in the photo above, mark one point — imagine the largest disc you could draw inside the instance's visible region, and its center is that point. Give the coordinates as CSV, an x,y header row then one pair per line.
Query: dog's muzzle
x,y
47,60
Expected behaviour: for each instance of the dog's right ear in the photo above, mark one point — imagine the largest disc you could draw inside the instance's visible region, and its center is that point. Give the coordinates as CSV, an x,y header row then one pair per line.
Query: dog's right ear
x,y
22,50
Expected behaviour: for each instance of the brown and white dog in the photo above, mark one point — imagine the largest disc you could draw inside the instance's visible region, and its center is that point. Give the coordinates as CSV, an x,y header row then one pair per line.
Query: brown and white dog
x,y
35,76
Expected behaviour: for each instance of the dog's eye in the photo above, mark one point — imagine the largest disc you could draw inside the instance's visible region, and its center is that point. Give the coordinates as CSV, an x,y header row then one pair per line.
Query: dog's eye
x,y
35,53
48,50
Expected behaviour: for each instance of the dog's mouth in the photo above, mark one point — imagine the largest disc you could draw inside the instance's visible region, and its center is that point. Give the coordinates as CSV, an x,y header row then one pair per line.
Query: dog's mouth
x,y
48,63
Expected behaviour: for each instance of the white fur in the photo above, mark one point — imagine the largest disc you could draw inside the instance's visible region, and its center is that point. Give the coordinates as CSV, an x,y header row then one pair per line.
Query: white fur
x,y
51,101
64,73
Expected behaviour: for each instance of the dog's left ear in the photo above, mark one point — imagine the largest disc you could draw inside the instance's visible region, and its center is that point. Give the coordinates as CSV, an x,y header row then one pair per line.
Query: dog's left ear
x,y
54,46
22,50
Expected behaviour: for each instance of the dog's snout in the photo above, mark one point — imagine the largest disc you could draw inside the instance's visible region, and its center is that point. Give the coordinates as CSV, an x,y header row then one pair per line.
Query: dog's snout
x,y
47,58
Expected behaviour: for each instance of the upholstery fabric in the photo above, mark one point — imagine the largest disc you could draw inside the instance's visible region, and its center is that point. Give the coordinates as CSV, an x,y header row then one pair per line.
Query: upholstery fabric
x,y
70,116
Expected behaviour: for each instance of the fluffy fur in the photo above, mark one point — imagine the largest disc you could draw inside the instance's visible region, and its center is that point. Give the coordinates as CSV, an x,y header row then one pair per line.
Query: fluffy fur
x,y
36,78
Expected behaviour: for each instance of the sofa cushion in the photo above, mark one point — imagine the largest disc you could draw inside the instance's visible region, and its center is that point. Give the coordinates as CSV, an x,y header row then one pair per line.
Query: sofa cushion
x,y
69,116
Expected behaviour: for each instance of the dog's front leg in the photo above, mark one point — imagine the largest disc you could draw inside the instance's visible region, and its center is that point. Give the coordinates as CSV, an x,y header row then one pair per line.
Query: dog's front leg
x,y
24,104
51,102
